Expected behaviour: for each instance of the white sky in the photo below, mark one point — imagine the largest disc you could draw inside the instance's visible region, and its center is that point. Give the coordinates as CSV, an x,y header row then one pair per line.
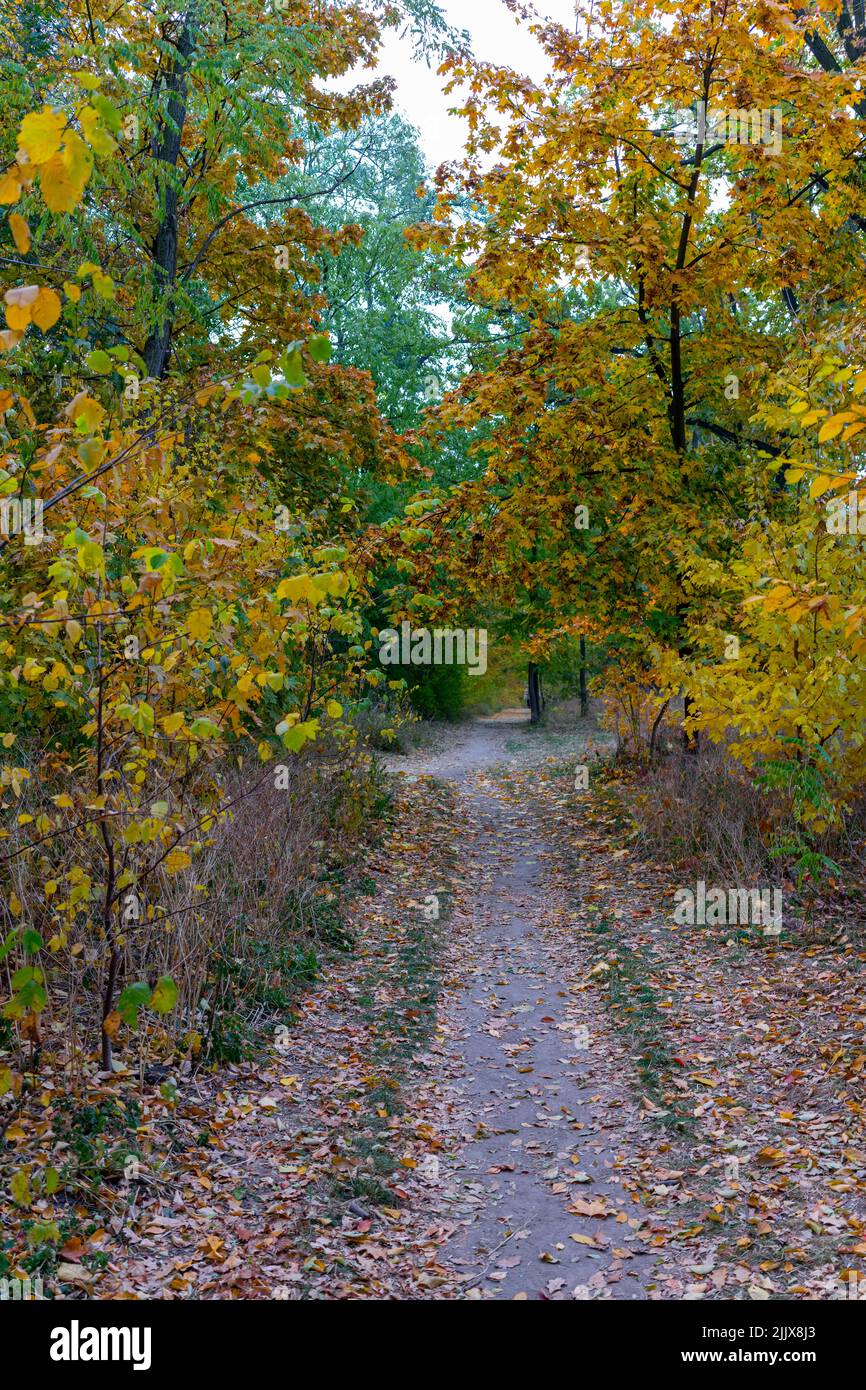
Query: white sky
x,y
497,37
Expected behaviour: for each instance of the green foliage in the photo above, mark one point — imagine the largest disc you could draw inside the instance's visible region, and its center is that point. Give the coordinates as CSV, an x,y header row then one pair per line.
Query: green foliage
x,y
804,781
437,692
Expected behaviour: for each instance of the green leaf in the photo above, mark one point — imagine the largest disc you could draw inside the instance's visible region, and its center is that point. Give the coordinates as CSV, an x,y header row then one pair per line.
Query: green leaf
x,y
30,998
99,362
10,941
142,720
293,370
41,1232
20,1188
107,110
320,348
299,734
133,998
26,975
204,729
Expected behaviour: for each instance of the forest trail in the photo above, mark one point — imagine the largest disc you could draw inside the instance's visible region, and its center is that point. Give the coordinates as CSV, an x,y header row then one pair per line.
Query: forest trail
x,y
445,1116
537,1182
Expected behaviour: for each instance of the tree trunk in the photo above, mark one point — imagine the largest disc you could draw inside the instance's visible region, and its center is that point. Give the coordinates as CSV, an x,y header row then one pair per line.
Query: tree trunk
x,y
164,250
584,693
536,699
691,742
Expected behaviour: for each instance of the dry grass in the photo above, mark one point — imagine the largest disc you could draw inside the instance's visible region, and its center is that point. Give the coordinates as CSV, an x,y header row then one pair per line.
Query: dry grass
x,y
252,894
703,812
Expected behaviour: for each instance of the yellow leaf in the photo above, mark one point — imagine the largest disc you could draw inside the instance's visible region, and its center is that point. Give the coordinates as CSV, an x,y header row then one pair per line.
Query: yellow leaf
x,y
46,311
832,427
71,291
85,408
64,177
41,134
171,723
10,188
199,624
103,285
90,558
77,159
20,232
177,860
299,587
821,483
95,133
17,316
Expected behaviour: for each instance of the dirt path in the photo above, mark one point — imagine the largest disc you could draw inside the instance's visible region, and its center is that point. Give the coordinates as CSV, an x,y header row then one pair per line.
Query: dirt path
x,y
500,740
542,1208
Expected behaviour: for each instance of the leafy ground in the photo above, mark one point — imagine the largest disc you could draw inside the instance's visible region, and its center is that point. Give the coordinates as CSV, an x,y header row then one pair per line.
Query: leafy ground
x,y
547,1091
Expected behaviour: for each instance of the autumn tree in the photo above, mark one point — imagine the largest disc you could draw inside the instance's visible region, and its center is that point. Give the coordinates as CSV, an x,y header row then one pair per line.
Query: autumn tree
x,y
180,577
674,215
